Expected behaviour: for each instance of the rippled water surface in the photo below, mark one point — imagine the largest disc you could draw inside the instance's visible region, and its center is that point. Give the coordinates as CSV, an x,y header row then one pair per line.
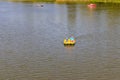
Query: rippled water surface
x,y
31,39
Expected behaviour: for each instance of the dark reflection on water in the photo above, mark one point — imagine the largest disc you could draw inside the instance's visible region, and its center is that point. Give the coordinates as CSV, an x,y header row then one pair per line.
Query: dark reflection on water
x,y
31,39
71,19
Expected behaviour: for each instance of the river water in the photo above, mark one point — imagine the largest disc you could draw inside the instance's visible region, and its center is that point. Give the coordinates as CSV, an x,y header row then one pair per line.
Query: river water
x,y
31,41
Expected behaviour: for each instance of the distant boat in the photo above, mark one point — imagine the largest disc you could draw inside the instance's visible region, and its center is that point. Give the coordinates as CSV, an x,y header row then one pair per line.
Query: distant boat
x,y
92,5
39,5
42,5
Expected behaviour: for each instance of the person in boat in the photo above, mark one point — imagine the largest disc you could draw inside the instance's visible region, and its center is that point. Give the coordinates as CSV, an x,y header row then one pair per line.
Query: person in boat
x,y
72,38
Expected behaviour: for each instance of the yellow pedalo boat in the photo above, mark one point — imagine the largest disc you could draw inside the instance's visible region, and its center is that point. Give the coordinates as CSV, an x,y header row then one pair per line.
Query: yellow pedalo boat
x,y
69,41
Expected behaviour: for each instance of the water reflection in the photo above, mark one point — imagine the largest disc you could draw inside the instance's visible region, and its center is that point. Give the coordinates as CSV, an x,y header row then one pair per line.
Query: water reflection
x,y
71,18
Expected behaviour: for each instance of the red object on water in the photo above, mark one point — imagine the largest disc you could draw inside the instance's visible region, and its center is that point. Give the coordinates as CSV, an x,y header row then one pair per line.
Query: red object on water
x,y
92,5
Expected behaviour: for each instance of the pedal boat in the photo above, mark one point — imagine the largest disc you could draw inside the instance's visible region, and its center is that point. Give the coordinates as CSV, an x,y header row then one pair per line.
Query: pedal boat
x,y
69,42
92,5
